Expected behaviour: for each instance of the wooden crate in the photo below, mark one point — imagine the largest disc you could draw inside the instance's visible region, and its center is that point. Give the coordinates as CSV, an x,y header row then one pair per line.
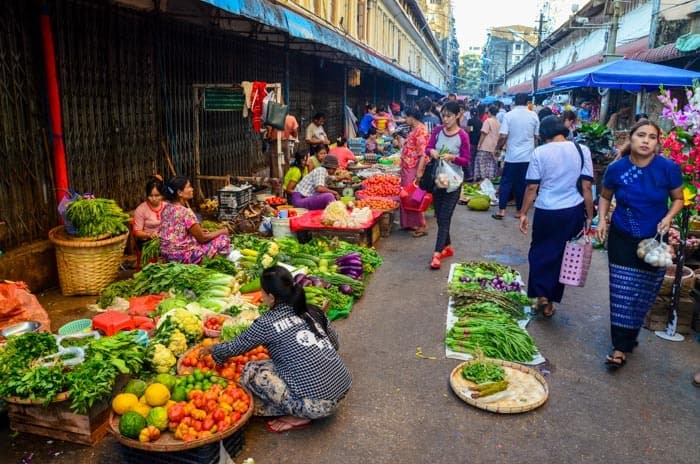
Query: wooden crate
x,y
58,422
386,222
365,237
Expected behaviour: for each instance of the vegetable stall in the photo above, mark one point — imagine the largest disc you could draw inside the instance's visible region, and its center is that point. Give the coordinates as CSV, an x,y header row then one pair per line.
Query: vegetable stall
x,y
138,370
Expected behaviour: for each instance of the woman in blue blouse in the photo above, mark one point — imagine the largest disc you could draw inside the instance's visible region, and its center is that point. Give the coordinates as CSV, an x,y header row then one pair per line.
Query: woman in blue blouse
x,y
642,182
304,379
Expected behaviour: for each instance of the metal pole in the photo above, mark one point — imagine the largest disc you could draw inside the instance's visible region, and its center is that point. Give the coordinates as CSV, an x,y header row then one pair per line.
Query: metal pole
x,y
670,332
609,56
345,100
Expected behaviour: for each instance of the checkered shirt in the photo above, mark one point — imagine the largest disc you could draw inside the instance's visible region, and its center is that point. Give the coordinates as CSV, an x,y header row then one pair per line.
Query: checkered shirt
x,y
310,366
307,185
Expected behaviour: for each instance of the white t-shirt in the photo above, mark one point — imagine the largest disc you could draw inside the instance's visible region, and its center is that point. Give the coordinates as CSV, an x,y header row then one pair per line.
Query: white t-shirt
x,y
556,166
521,126
315,133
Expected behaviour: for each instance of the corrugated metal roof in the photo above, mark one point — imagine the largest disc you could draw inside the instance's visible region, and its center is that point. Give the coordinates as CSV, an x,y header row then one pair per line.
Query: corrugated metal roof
x,y
301,27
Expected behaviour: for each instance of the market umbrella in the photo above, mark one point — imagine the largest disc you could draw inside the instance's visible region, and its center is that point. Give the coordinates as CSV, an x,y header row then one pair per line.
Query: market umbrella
x,y
628,75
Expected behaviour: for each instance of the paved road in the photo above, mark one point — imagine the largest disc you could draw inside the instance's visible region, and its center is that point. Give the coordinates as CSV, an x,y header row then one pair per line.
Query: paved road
x,y
401,409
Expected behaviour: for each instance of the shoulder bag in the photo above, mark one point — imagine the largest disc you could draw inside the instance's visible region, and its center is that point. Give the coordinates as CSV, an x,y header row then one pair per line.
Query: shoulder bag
x,y
275,114
579,185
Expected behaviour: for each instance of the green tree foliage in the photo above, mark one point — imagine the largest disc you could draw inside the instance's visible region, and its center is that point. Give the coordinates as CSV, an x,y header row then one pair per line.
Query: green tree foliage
x,y
469,74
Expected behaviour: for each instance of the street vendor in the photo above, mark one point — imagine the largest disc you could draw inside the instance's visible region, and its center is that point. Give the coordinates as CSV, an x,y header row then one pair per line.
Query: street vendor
x,y
315,133
312,191
316,160
298,169
182,238
304,379
342,152
147,215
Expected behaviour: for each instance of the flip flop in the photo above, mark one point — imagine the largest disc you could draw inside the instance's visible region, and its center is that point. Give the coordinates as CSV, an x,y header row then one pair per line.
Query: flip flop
x,y
615,362
498,216
551,313
270,428
419,233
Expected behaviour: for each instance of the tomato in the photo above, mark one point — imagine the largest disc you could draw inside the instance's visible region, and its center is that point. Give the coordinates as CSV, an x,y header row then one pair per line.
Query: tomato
x,y
208,424
219,414
221,425
176,412
211,405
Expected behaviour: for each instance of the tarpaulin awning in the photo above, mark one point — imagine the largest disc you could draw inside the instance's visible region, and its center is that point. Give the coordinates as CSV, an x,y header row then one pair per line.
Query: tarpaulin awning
x,y
628,75
545,81
301,27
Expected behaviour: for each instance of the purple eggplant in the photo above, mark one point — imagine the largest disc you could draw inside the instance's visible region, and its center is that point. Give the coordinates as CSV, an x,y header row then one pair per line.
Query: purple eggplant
x,y
346,289
306,283
299,278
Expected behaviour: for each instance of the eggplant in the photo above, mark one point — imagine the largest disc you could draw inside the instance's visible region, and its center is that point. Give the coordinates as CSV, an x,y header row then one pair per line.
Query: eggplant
x,y
306,283
346,289
299,278
316,281
349,258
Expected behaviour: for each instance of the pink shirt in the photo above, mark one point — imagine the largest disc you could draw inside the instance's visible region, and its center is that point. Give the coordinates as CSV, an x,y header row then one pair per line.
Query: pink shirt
x,y
291,128
344,155
490,130
147,219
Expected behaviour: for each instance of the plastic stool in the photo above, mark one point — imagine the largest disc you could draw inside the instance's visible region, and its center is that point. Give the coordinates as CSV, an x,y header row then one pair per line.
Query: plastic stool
x,y
111,322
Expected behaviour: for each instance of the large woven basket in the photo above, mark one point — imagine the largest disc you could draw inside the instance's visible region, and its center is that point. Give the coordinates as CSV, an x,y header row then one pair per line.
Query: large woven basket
x,y
86,266
687,281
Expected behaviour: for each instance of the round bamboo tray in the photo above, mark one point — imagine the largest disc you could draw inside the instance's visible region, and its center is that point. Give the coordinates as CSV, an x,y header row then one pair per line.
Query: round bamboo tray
x,y
687,281
17,400
167,442
532,390
86,266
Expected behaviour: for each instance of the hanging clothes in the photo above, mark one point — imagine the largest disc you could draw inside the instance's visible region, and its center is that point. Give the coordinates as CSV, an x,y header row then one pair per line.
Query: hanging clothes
x,y
258,93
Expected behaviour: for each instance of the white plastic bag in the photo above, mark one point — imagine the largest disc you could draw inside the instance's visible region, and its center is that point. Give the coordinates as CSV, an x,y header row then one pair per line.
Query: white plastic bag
x,y
449,176
487,187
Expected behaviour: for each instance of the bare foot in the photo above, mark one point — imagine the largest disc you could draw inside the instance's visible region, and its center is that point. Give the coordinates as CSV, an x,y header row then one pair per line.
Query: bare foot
x,y
285,423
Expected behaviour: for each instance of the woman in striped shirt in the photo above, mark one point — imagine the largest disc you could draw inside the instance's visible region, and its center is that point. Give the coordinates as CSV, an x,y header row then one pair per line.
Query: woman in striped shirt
x,y
304,379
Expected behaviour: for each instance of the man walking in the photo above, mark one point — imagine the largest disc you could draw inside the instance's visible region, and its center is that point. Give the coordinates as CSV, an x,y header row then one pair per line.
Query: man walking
x,y
518,133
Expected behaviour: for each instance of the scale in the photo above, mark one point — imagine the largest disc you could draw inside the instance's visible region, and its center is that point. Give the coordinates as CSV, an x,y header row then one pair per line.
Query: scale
x,y
348,192
670,333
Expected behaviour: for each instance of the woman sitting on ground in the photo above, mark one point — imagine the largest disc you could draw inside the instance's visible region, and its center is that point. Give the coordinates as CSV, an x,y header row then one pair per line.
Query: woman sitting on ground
x,y
147,214
316,160
304,379
312,192
182,238
297,171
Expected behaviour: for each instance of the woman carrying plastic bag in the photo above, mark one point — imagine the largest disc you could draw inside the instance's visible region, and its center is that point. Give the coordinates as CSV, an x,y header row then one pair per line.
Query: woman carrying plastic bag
x,y
450,145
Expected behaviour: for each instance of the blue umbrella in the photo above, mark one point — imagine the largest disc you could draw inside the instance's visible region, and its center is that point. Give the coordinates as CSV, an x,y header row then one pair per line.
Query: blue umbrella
x,y
628,75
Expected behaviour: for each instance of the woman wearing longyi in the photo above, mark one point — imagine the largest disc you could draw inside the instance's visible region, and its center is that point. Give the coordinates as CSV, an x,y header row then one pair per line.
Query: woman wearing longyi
x,y
642,182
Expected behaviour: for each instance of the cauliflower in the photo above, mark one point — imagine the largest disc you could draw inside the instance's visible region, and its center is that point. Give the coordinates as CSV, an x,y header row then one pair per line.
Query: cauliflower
x,y
189,324
163,359
178,343
273,249
267,260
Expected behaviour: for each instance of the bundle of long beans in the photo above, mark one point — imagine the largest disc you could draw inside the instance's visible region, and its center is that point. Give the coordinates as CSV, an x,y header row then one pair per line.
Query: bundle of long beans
x,y
497,336
510,302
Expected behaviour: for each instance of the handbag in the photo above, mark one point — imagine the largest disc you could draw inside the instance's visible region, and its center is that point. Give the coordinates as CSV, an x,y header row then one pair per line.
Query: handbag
x,y
579,185
275,113
427,182
576,261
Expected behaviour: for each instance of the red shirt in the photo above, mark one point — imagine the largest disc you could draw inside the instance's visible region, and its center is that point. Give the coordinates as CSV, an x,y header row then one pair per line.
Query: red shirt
x,y
344,155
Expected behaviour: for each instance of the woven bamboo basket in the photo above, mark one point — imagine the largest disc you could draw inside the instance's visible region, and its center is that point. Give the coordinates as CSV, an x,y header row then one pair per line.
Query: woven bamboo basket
x,y
86,266
687,281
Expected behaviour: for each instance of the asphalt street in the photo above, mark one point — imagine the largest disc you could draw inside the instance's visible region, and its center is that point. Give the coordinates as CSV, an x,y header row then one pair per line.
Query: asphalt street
x,y
401,408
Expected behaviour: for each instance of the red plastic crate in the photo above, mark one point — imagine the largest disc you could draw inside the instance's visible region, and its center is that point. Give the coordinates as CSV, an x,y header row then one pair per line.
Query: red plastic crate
x,y
111,322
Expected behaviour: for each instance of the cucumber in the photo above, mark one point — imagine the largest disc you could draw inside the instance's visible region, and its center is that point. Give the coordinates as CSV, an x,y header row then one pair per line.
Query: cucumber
x,y
313,258
304,262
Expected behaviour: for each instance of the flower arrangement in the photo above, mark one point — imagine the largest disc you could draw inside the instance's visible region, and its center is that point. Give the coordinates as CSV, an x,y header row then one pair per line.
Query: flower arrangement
x,y
682,143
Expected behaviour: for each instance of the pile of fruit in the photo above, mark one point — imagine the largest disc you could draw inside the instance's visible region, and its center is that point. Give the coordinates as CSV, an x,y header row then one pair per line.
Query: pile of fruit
x,y
231,370
377,203
190,407
381,186
275,201
209,206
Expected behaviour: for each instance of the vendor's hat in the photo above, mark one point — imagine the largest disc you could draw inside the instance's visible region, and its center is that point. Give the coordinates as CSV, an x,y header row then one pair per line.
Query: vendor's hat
x,y
330,162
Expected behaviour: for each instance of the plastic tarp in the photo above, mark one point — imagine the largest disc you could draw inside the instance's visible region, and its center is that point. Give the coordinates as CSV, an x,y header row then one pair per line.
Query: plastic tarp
x,y
300,27
312,220
688,42
628,75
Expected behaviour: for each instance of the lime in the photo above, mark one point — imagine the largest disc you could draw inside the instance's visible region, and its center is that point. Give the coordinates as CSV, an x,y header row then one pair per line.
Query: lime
x,y
197,386
206,385
179,394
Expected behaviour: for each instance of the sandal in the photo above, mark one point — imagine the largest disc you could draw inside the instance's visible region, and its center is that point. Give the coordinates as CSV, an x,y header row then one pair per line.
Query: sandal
x,y
549,310
615,362
435,262
540,306
447,252
498,216
419,233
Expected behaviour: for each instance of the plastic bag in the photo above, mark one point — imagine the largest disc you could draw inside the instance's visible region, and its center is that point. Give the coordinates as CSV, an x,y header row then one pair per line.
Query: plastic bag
x,y
655,252
449,176
489,189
